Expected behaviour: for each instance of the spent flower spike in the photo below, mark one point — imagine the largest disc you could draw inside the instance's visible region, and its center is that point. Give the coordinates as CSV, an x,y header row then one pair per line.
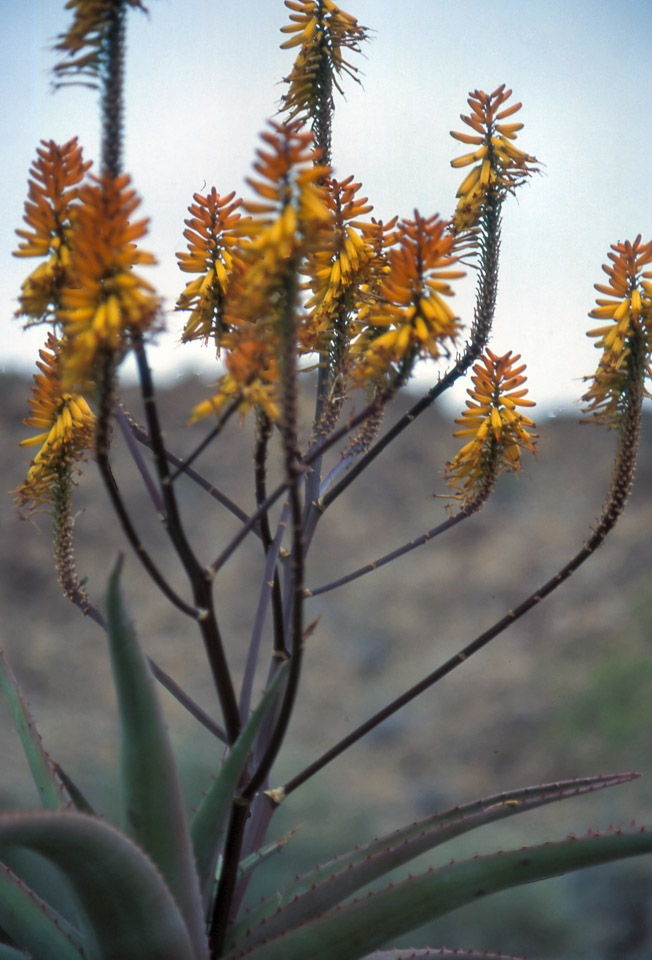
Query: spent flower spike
x,y
498,431
499,166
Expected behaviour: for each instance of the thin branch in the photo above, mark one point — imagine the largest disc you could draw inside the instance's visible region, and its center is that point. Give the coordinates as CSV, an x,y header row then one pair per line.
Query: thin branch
x,y
288,432
260,473
399,552
142,436
295,584
278,491
268,586
247,527
217,429
303,467
143,469
482,321
102,453
621,484
200,578
80,600
186,701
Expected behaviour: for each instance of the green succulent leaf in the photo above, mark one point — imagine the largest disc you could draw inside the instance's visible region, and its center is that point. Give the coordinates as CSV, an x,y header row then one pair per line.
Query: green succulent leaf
x,y
330,883
126,911
30,922
210,818
254,860
352,931
431,953
152,804
79,801
10,953
50,789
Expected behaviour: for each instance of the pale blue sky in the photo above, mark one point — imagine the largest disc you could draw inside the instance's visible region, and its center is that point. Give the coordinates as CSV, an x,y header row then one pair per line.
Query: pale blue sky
x,y
203,77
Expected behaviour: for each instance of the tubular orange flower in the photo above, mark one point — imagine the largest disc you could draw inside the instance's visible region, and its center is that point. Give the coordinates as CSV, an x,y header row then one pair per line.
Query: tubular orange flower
x,y
252,375
380,237
498,430
411,318
499,165
628,304
323,32
53,192
290,220
214,233
84,41
105,303
338,270
66,425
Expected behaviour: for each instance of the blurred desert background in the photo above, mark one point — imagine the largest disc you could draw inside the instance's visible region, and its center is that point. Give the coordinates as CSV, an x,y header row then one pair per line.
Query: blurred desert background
x,y
565,692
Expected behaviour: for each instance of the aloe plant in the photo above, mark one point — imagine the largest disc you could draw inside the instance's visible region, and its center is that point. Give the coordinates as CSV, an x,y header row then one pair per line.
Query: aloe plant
x,y
297,276
137,891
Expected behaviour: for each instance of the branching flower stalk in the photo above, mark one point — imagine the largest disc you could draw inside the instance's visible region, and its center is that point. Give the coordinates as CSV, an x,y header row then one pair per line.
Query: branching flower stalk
x,y
106,309
294,278
323,33
615,399
498,431
500,169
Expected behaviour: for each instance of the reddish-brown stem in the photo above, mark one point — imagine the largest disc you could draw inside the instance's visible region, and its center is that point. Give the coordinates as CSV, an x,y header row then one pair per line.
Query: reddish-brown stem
x,y
143,437
399,552
260,472
200,578
102,455
217,429
619,490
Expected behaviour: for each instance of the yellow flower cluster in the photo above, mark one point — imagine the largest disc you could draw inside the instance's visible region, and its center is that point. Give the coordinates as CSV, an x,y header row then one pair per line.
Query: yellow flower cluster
x,y
291,217
323,31
410,318
252,377
213,233
337,270
498,164
380,236
290,220
53,189
628,305
66,424
105,302
498,430
84,41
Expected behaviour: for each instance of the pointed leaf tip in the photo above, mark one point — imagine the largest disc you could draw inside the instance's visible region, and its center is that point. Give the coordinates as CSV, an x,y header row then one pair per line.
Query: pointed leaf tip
x,y
48,784
153,810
